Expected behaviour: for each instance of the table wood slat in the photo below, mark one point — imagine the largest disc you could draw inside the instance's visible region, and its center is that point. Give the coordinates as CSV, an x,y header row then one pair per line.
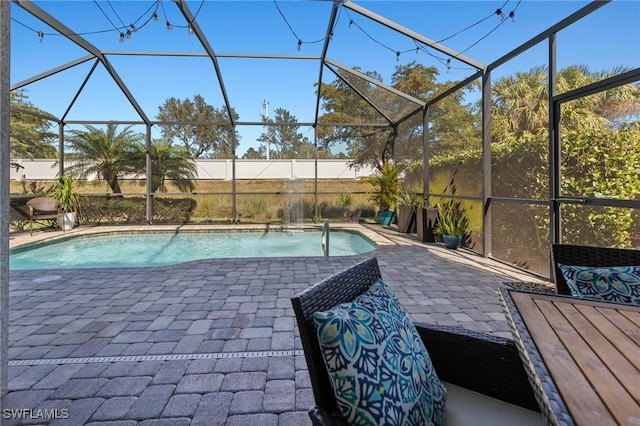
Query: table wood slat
x,y
608,371
612,325
584,354
624,321
586,407
635,320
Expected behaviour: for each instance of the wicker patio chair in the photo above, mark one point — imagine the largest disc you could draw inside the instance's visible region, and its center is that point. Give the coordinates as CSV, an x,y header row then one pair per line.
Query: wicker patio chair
x,y
575,255
474,361
42,208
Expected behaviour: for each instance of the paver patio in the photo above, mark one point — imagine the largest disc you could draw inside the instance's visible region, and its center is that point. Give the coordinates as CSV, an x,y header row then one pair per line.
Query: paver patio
x,y
208,342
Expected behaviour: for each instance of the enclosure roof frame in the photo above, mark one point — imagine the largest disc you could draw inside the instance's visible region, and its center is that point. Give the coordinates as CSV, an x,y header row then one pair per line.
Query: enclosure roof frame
x,y
45,17
323,59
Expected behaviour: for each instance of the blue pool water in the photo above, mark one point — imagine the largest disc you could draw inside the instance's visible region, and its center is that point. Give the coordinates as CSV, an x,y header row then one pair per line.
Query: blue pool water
x,y
159,249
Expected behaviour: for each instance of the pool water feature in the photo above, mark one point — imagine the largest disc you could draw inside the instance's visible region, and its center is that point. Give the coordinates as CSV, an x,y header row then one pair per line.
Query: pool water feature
x,y
293,212
169,248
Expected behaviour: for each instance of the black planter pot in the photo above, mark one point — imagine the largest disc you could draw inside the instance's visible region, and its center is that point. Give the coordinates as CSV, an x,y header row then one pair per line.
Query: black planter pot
x,y
426,220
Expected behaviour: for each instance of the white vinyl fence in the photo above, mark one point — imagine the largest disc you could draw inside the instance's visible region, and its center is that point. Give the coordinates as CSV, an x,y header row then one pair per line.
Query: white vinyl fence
x,y
223,170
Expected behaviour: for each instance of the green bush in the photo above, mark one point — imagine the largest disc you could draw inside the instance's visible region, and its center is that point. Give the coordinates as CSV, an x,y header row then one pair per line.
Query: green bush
x,y
131,210
19,213
597,163
173,210
346,200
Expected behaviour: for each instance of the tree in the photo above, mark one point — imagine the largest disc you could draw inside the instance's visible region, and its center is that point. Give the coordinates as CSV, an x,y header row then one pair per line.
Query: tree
x,y
103,152
168,162
520,113
203,140
454,122
599,158
325,153
285,141
455,125
306,152
416,80
521,102
252,154
30,135
365,145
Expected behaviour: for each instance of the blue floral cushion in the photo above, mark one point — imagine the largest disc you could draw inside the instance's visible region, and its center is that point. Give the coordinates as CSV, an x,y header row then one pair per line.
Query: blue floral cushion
x,y
619,284
380,370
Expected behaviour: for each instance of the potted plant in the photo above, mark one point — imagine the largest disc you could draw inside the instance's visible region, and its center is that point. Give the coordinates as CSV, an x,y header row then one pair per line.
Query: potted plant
x,y
408,202
63,191
453,223
385,194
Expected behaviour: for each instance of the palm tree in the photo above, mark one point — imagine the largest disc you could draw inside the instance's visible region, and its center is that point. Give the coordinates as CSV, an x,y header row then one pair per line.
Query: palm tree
x,y
521,101
30,135
106,153
168,162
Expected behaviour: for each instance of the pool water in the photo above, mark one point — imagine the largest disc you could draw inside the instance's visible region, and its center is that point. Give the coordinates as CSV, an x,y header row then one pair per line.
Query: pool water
x,y
159,249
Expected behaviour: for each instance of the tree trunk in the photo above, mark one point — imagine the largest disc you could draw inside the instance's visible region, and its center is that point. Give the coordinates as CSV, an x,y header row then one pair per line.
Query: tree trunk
x,y
114,184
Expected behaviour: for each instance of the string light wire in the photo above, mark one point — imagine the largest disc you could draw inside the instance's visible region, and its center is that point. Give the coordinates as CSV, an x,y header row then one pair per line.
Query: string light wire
x,y
126,30
286,21
355,24
116,13
419,46
494,28
133,27
300,41
107,16
422,47
472,25
189,25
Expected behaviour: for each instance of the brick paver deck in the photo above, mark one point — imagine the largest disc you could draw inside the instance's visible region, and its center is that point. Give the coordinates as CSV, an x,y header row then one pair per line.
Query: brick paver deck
x,y
209,342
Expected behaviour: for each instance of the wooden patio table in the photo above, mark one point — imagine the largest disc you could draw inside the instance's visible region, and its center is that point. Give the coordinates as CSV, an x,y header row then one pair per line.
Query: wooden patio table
x,y
582,356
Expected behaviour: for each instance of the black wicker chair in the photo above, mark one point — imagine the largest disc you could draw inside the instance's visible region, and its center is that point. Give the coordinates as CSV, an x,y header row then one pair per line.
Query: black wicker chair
x,y
575,255
475,361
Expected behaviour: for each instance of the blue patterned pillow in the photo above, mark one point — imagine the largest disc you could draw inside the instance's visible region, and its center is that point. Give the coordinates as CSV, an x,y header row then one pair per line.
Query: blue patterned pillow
x,y
619,284
380,370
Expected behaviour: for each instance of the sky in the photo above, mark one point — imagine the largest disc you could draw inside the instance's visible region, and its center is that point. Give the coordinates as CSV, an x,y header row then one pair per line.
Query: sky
x,y
607,38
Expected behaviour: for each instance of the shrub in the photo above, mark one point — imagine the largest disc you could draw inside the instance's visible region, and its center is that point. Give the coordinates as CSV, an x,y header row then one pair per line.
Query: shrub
x,y
19,213
173,210
346,200
131,210
252,207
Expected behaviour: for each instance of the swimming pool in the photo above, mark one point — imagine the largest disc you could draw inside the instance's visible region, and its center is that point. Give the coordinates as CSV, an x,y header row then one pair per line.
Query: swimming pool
x,y
169,248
